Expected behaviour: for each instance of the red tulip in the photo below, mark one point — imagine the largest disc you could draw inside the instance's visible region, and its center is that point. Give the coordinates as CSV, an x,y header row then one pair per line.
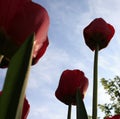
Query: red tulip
x,y
70,81
113,117
18,20
98,32
26,108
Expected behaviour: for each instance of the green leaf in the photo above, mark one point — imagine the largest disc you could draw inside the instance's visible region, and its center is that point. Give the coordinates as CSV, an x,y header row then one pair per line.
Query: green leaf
x,y
11,100
81,110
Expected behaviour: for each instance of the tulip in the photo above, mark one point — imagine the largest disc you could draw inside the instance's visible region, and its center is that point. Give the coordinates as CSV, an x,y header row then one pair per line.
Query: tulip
x,y
18,20
113,117
70,82
98,32
26,108
97,35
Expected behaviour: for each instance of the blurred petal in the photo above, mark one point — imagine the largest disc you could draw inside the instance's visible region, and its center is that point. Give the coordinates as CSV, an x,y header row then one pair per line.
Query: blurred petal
x,y
8,8
26,109
113,117
30,18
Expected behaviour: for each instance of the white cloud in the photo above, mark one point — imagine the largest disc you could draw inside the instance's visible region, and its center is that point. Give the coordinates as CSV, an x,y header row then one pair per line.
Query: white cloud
x,y
68,50
110,63
45,112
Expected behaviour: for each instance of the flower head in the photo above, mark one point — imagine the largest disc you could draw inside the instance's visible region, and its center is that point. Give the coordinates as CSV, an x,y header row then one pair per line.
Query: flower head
x,y
98,32
25,17
113,117
70,81
26,108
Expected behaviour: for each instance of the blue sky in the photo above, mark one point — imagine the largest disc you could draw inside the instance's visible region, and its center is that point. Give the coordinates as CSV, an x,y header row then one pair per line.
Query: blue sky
x,y
67,50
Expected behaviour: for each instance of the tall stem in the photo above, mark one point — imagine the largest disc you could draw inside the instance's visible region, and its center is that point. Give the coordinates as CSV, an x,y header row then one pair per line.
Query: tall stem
x,y
1,57
69,111
95,83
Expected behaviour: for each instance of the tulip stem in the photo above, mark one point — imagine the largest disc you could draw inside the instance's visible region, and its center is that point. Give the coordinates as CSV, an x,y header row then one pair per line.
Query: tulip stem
x,y
1,57
69,111
95,83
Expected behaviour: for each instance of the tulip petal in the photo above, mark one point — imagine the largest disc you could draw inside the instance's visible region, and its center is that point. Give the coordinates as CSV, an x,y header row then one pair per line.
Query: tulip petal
x,y
98,32
70,80
8,8
31,18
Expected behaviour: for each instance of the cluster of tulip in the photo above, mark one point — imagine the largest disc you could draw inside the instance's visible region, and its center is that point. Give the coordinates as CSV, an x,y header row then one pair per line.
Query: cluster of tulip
x,y
19,50
73,84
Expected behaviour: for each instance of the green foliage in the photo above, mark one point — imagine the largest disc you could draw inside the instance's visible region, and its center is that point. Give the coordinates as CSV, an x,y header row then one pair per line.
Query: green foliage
x,y
112,87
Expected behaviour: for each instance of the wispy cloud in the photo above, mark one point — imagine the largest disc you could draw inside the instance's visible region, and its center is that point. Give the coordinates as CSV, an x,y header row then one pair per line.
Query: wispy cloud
x,y
67,50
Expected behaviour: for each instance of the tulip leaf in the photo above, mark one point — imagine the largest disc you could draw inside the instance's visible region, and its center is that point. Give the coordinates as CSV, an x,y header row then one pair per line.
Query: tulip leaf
x,y
81,110
13,93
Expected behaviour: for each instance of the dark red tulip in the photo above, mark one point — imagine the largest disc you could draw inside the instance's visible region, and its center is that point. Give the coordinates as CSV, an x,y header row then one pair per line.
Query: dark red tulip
x,y
18,20
26,108
98,32
113,117
70,81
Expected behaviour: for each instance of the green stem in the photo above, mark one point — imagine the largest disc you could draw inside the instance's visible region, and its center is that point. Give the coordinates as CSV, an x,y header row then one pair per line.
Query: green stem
x,y
95,83
1,57
69,111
